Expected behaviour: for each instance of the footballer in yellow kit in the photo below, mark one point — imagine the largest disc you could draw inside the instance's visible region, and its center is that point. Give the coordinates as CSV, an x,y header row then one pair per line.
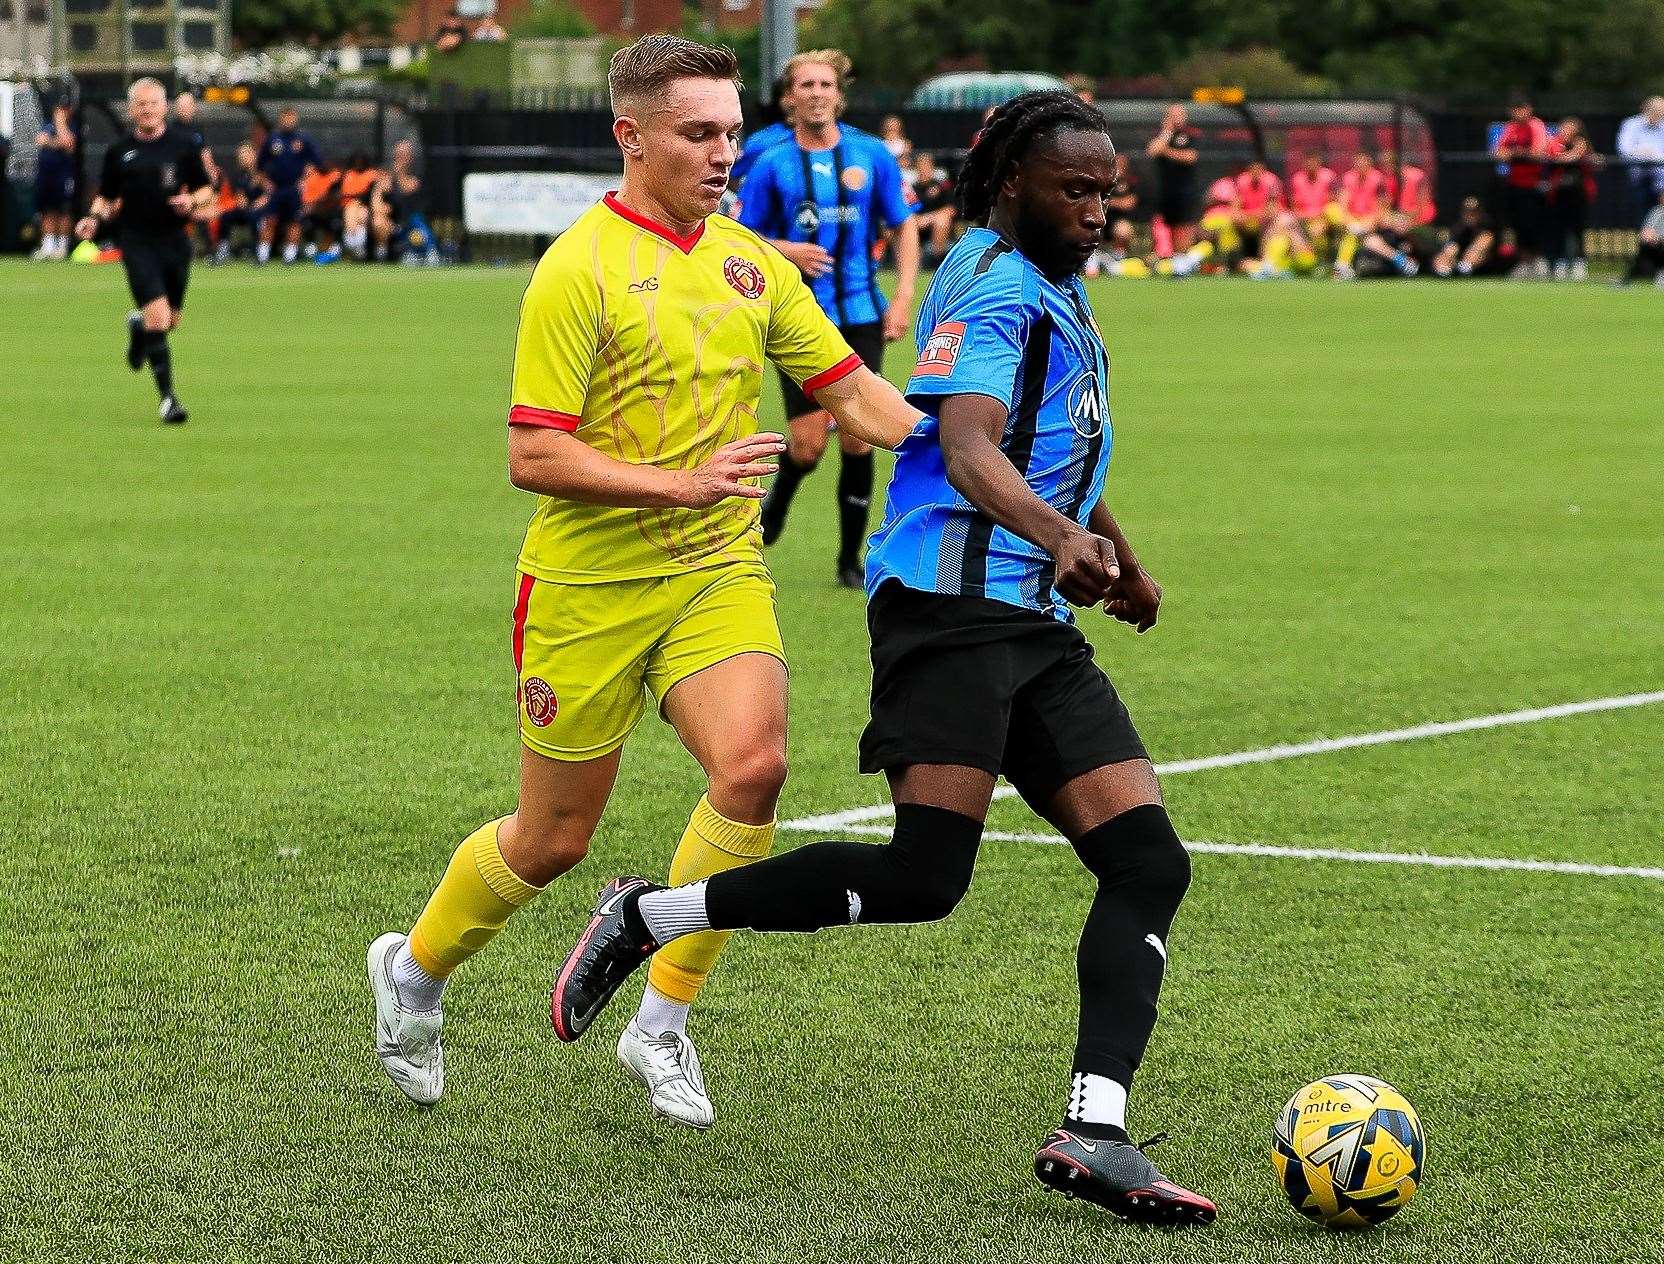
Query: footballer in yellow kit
x,y
637,371
607,351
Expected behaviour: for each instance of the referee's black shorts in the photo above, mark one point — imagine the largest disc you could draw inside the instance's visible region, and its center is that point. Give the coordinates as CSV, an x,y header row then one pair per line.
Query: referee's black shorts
x,y
982,684
866,341
158,266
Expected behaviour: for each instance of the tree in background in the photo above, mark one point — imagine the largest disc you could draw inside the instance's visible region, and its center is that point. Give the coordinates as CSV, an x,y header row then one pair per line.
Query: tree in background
x,y
259,23
551,19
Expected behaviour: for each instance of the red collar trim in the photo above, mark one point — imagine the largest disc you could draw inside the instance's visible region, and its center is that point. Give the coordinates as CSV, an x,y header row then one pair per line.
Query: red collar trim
x,y
684,244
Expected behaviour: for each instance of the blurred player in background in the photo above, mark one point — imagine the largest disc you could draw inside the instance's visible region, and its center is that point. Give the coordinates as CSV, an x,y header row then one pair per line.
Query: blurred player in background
x,y
1313,193
1174,150
637,371
996,520
55,181
823,198
1363,200
287,157
152,187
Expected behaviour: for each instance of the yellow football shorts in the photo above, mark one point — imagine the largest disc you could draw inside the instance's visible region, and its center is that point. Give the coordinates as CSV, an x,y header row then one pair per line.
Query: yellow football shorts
x,y
586,653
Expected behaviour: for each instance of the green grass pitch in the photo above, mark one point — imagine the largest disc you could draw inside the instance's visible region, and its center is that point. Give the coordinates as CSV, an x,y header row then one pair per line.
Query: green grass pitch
x,y
255,683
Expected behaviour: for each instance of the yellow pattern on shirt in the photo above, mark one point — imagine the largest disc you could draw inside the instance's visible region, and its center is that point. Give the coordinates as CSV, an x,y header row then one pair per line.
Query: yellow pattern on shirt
x,y
659,353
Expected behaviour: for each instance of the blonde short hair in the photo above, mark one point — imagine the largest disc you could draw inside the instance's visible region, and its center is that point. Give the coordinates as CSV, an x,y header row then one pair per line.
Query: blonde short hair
x,y
836,61
641,71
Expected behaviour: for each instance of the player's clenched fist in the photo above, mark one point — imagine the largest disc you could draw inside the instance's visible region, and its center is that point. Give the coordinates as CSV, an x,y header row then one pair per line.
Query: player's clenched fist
x,y
724,475
1086,567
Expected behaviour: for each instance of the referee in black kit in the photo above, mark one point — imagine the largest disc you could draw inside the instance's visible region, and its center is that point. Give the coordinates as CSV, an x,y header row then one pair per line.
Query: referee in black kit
x,y
153,182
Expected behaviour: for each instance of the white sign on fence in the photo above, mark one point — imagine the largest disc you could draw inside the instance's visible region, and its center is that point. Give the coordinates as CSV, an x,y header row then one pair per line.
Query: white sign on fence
x,y
535,203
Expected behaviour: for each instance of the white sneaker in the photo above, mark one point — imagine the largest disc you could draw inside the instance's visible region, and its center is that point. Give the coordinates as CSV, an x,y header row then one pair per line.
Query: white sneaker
x,y
668,1065
407,1042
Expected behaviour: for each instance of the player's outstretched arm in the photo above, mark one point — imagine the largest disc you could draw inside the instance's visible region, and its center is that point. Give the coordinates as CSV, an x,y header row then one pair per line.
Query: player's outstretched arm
x,y
1134,597
971,425
870,408
557,463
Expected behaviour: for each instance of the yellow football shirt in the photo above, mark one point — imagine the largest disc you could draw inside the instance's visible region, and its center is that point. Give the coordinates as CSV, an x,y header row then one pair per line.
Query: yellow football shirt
x,y
650,347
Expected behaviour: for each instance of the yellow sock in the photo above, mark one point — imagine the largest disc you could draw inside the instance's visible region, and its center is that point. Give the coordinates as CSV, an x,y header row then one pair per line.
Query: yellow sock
x,y
710,844
1277,252
470,905
1348,249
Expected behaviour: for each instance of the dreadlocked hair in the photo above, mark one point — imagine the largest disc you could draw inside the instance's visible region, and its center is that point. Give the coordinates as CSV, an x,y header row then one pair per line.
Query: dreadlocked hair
x,y
1007,136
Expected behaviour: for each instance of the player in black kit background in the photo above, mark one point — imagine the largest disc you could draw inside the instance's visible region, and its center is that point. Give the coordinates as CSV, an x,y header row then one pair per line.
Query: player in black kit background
x,y
152,184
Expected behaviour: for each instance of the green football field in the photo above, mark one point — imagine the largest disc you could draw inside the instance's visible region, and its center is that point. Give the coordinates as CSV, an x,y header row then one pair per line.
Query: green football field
x,y
255,683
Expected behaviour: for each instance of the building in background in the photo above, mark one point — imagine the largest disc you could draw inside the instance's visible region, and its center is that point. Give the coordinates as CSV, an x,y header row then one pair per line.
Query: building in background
x,y
114,38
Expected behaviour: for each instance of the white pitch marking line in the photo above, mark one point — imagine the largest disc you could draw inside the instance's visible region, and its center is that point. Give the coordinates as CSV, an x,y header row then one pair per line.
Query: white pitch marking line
x,y
1322,746
1337,853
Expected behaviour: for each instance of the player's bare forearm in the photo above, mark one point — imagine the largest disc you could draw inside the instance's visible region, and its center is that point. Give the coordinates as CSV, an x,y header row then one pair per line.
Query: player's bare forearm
x,y
907,262
557,463
869,408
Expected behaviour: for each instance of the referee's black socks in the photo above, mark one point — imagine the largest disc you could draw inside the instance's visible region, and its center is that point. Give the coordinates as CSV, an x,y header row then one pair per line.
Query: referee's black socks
x,y
161,360
854,495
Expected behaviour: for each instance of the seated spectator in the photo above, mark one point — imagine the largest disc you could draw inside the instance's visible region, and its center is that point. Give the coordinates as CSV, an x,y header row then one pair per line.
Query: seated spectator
x,y
320,198
1362,203
243,192
1388,250
1219,223
1649,247
452,33
1116,258
410,237
1287,250
1471,247
934,193
1314,198
358,193
894,136
1404,188
54,183
1259,196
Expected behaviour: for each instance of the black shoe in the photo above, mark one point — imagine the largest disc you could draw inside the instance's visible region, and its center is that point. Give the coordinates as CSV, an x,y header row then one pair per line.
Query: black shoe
x,y
606,954
852,575
135,341
1117,1176
173,412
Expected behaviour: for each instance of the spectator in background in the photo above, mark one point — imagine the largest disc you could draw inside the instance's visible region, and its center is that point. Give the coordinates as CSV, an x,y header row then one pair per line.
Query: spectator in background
x,y
1470,250
285,159
1521,147
1174,150
1259,197
406,214
54,182
1641,142
452,33
1389,250
184,114
933,193
1362,203
1571,190
1405,189
1649,247
1219,221
894,136
358,191
487,31
320,195
242,202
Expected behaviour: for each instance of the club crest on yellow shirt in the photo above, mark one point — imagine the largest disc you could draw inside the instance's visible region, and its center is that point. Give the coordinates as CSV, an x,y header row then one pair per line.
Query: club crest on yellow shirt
x,y
744,276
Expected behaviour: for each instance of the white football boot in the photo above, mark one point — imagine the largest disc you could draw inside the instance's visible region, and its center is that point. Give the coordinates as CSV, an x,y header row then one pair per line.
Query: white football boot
x,y
407,1041
668,1065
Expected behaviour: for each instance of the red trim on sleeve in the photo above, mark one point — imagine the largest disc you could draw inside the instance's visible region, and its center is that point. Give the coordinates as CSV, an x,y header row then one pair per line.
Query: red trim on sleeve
x,y
526,415
684,244
837,373
521,603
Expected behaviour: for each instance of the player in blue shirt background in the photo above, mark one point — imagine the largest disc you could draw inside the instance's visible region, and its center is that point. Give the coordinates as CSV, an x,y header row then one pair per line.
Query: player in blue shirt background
x,y
995,521
823,197
285,158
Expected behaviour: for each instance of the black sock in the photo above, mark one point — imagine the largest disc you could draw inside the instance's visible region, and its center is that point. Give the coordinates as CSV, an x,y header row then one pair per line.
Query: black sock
x,y
135,332
916,877
854,495
161,360
779,498
1142,870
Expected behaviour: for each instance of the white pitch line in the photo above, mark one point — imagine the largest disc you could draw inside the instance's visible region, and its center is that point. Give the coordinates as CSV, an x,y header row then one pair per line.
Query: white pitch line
x,y
1336,853
1268,754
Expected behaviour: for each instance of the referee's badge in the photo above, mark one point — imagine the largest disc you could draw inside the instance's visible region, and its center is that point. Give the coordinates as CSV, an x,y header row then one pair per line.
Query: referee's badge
x,y
744,276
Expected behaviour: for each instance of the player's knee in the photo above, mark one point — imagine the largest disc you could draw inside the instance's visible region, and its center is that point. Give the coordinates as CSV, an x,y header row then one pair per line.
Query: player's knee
x,y
753,777
544,849
1140,851
937,892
